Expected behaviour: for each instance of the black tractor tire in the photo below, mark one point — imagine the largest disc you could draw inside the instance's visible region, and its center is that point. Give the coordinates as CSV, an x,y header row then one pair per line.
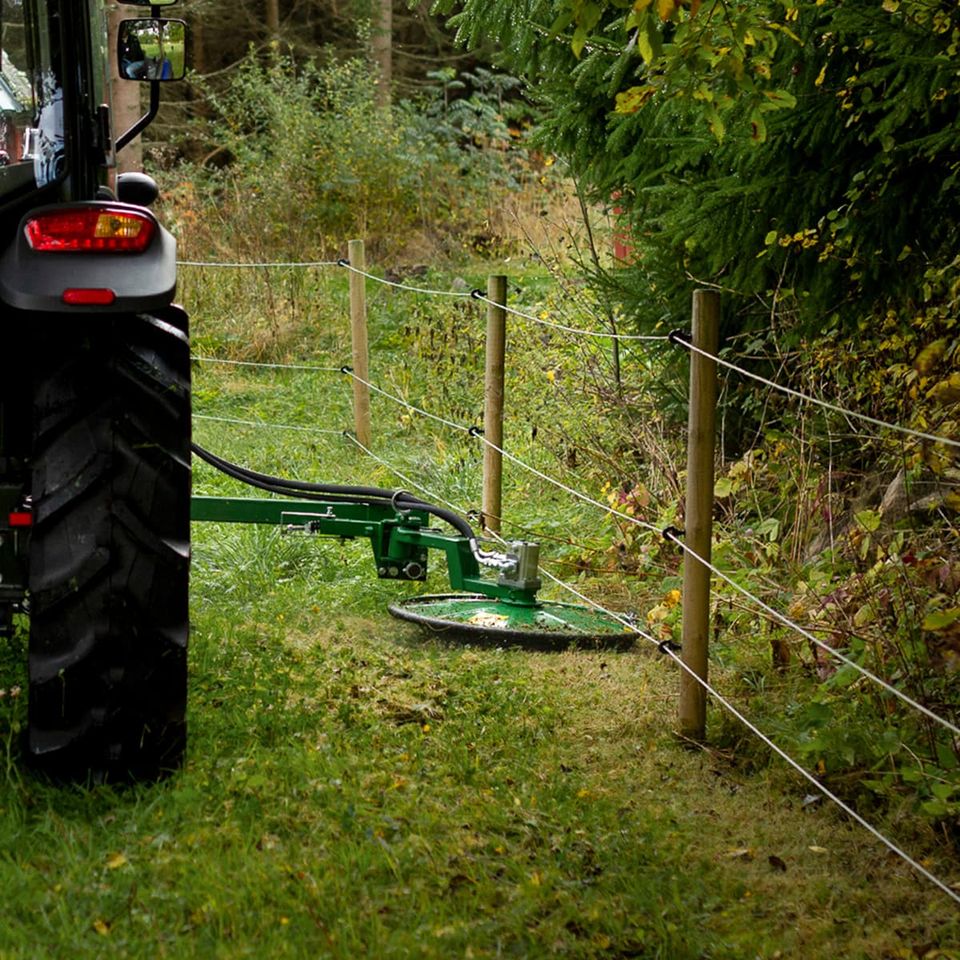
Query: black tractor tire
x,y
110,549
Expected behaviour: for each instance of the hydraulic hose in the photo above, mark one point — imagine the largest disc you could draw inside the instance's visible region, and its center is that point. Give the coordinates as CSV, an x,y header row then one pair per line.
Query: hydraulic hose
x,y
335,493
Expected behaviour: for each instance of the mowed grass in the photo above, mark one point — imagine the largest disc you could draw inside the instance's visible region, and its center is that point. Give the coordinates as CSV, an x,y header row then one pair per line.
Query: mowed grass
x,y
355,789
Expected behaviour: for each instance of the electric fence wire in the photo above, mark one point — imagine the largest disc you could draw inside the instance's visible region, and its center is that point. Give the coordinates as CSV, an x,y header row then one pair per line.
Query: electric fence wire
x,y
403,286
562,486
262,423
474,294
665,649
271,366
836,408
240,265
478,295
414,484
786,621
526,531
423,413
726,704
651,338
905,698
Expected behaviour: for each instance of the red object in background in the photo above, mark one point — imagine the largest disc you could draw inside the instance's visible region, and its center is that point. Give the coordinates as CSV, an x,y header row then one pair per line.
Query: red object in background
x,y
622,250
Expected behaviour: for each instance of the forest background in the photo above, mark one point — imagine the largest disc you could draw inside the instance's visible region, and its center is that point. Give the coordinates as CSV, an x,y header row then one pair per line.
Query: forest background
x,y
800,158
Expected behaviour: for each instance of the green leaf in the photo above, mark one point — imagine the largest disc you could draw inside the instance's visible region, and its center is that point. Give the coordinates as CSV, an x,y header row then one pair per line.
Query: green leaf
x,y
780,100
578,41
648,38
866,614
938,619
758,128
868,519
943,791
717,126
723,488
935,808
769,528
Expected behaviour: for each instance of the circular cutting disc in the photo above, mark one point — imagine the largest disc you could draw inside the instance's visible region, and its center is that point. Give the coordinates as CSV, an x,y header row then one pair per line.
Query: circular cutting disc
x,y
545,626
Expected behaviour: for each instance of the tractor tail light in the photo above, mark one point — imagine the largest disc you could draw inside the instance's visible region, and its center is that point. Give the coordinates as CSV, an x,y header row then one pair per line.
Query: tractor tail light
x,y
90,230
20,518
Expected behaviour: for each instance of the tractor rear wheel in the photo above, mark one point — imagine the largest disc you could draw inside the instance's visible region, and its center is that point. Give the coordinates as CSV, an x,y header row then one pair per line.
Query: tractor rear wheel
x,y
110,549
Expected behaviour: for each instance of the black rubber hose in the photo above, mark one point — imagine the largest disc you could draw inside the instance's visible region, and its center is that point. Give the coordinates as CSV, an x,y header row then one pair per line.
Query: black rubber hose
x,y
226,468
382,493
335,493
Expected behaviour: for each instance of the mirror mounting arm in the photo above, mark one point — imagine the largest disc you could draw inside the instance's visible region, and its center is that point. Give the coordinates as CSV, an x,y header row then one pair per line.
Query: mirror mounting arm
x,y
145,120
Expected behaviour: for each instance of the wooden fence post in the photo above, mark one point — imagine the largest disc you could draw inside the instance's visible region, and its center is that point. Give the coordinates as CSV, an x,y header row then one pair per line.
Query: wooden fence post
x,y
699,512
492,502
358,336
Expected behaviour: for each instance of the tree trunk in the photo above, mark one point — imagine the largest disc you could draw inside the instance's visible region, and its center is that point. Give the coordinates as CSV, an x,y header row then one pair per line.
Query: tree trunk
x,y
383,51
273,19
125,97
198,49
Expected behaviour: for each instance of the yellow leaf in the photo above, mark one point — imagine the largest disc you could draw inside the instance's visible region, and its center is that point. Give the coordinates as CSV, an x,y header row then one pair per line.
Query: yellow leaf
x,y
666,8
101,926
946,391
116,861
820,76
640,5
930,355
630,101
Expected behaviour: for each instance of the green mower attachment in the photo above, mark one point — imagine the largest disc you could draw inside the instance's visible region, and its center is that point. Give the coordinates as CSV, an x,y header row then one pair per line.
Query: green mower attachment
x,y
500,608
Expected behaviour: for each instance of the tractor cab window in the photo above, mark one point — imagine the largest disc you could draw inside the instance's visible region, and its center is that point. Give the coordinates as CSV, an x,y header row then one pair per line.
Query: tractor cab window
x,y
31,97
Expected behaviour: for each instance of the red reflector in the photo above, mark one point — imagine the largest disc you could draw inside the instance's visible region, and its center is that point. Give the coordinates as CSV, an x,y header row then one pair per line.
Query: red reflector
x,y
94,297
90,230
20,519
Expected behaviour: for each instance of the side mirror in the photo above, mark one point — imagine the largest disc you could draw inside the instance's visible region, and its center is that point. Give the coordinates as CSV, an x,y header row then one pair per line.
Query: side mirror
x,y
153,49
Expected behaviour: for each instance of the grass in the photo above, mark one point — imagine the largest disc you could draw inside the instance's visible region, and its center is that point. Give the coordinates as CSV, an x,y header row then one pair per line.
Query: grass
x,y
353,789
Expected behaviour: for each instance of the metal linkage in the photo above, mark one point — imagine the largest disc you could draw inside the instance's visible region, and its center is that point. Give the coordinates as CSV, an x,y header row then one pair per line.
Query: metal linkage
x,y
400,539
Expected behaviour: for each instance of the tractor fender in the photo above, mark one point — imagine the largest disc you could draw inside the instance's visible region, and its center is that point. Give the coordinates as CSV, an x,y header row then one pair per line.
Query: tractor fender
x,y
32,280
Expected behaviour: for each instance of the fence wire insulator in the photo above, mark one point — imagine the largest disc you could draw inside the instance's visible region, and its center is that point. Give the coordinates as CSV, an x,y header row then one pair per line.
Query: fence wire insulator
x,y
475,431
347,370
668,646
672,534
342,262
679,336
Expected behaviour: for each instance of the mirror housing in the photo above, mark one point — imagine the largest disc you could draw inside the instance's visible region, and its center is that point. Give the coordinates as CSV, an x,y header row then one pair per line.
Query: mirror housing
x,y
152,49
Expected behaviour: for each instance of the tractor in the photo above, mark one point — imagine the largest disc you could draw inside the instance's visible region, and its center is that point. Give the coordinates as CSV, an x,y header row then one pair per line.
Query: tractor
x,y
95,445
94,399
